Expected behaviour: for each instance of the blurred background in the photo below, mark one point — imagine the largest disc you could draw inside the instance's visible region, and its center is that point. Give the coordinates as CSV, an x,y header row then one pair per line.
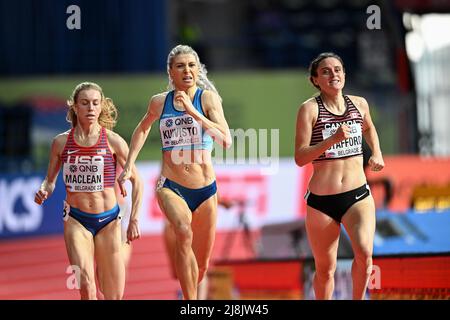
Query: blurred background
x,y
396,55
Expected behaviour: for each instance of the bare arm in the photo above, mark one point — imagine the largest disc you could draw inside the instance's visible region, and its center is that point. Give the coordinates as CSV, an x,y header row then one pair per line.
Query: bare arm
x,y
306,117
214,123
120,148
370,134
48,185
141,132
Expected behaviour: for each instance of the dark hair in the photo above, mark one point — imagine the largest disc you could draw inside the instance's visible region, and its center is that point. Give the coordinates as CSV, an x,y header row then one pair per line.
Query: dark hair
x,y
315,64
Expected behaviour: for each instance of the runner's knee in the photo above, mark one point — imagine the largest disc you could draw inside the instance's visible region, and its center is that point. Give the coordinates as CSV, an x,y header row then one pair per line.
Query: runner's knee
x,y
325,271
184,234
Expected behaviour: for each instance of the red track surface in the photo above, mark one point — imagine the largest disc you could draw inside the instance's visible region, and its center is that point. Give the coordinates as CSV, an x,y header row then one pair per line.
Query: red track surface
x,y
35,268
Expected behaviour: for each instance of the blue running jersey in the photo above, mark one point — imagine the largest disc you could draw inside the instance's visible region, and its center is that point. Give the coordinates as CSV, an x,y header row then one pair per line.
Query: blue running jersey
x,y
179,130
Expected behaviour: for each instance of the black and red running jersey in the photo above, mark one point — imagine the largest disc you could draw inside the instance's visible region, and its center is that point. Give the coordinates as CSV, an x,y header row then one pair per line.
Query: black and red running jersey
x,y
326,125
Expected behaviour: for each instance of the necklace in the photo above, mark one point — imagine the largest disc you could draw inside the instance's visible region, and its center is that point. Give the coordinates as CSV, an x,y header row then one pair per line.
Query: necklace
x,y
334,108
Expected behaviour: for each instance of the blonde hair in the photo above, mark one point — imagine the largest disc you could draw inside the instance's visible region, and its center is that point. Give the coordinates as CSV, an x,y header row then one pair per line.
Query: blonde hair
x,y
202,81
108,115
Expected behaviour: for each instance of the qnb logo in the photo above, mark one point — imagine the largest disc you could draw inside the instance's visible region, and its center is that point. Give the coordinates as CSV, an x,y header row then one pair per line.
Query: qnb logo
x,y
73,281
84,163
186,120
169,123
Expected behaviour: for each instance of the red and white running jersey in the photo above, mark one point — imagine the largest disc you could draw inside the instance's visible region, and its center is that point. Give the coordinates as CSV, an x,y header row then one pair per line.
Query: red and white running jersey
x,y
88,169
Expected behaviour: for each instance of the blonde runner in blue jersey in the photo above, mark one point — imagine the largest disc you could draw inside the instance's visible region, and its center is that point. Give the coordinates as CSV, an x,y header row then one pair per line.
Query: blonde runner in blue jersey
x,y
179,130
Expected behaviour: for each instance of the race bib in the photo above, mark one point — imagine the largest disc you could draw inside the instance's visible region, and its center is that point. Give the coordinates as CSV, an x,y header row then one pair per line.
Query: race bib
x,y
84,173
180,131
348,147
66,210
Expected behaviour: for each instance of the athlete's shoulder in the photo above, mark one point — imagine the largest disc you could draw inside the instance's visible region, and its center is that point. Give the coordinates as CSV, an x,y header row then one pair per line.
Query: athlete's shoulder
x,y
310,102
114,137
159,98
59,141
209,93
309,105
210,97
358,100
307,112
112,134
61,138
156,103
